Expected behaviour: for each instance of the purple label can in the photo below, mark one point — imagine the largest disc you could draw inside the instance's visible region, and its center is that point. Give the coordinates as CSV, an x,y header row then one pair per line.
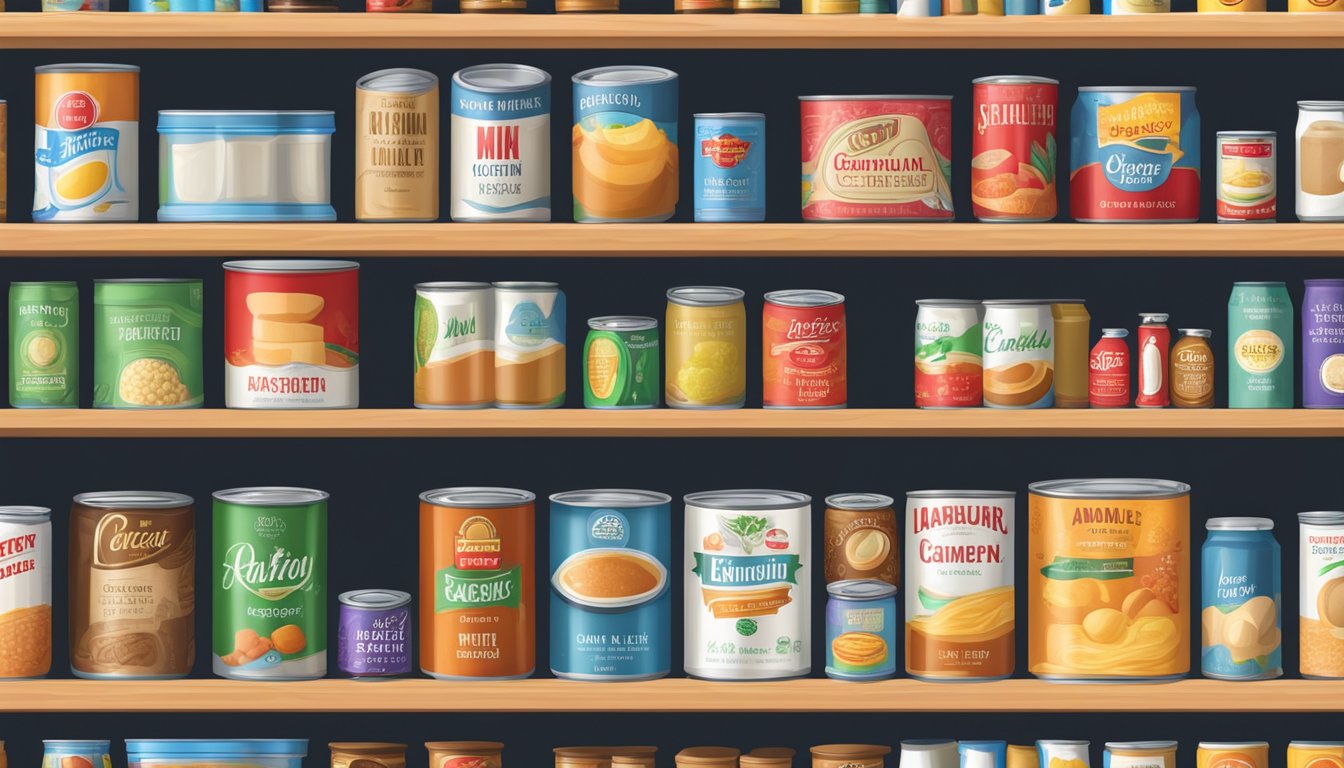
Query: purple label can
x,y
1323,344
374,637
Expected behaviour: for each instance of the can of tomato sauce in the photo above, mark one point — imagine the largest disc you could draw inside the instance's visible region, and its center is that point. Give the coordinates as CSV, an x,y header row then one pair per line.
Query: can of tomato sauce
x,y
803,340
1014,149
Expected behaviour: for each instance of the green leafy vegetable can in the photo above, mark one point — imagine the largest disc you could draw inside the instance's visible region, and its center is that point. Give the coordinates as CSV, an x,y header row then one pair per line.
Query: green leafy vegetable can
x,y
1260,346
44,345
147,344
1014,150
620,363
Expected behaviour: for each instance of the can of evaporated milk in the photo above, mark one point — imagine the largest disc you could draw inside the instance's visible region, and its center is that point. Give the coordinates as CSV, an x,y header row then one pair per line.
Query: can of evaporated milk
x,y
86,145
1247,167
1241,612
529,345
1014,149
454,345
729,166
804,350
1322,344
625,144
501,144
44,345
397,145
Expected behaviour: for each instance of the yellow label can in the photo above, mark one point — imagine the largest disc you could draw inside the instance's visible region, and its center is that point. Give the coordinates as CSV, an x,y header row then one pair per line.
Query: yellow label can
x,y
706,347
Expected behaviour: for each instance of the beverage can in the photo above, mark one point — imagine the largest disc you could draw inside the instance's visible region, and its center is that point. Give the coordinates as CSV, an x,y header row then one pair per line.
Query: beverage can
x,y
1260,358
1322,344
621,363
1108,370
1013,148
804,350
1154,349
43,344
1241,615
1191,374
949,339
1247,173
1019,347
529,345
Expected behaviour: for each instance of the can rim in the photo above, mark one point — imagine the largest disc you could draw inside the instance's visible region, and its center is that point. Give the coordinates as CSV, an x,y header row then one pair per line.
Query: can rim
x,y
134,500
613,498
622,323
1157,317
878,97
804,298
731,115
1239,524
1065,742
447,286
1110,488
747,498
859,501
1156,745
428,81
104,743
1316,105
271,496
705,295
1201,333
1260,282
1321,517
50,282
83,67
967,494
477,497
479,746
281,266
542,78
589,77
948,302
366,747
1315,743
1015,80
374,599
523,285
924,745
1231,744
860,589
1137,89
1248,134
850,750
143,280
1016,302
24,513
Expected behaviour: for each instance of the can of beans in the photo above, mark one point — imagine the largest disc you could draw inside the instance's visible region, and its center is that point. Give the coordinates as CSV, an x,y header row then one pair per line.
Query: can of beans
x,y
501,144
1013,148
804,362
706,347
454,345
621,363
25,592
729,166
44,344
147,344
625,144
397,140
373,636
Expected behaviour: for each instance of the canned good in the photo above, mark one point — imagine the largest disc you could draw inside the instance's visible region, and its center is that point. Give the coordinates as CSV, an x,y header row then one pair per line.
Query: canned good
x,y
1073,330
1320,146
929,753
805,359
1247,168
859,538
1232,6
1191,373
755,6
1139,754
43,343
132,585
1260,346
861,630
1059,753
1108,370
625,144
1320,754
959,599
478,754
920,9
397,138
1321,590
454,345
373,636
1135,155
367,754
587,6
1021,8
611,606
1019,348
748,615
1240,615
707,757
1066,8
621,363
1322,344
703,6
1112,599
605,757
849,755
877,158
25,592
398,6
302,6
477,584
147,344
270,574
949,338
196,6
1023,756
1013,148
501,143
91,753
730,166
1154,351
1134,7
831,6
529,345
75,5
706,347
983,754
1315,6
291,334
86,142
486,6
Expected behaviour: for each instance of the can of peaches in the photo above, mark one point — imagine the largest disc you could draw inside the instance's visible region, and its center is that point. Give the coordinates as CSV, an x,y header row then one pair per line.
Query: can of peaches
x,y
1014,149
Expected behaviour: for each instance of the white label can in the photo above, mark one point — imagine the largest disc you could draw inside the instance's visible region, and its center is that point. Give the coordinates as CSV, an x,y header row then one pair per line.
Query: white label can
x,y
1019,354
501,144
25,592
1321,590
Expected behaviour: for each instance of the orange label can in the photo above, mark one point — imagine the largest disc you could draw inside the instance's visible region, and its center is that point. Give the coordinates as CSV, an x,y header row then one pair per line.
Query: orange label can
x,y
1315,6
1233,754
804,350
86,143
477,583
1315,754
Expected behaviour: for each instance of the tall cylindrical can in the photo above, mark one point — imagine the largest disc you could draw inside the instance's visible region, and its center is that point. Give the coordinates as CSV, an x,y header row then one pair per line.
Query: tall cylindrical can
x,y
25,594
1247,186
1063,753
529,345
43,344
1320,153
454,345
1321,595
706,347
621,363
1322,344
1073,329
949,340
500,144
1108,370
625,144
859,538
373,633
1154,350
804,353
1241,614
1013,148
397,145
87,142
1260,359
1019,346
1191,374
860,630
729,166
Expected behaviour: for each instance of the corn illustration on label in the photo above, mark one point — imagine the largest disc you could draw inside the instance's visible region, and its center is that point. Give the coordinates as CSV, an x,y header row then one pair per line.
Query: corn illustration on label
x,y
147,344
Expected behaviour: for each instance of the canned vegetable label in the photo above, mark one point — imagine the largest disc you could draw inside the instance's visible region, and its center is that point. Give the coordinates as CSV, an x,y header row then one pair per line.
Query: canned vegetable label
x,y
620,363
44,345
147,344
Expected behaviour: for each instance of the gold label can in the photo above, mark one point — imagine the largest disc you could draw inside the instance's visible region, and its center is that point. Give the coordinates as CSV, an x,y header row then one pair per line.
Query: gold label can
x,y
397,146
1073,336
706,347
1233,754
1315,6
1316,754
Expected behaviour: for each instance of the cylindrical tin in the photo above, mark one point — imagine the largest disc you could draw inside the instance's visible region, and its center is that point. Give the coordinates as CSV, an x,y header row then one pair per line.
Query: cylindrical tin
x,y
1260,359
949,339
922,9
625,144
477,584
501,144
748,614
1321,595
729,166
132,585
1191,373
1240,612
1154,350
1318,754
25,593
1023,756
1019,354
1108,370
804,350
147,344
1013,148
1320,150
1139,754
611,603
703,6
465,754
929,753
706,347
959,599
86,143
982,754
861,630
454,345
605,757
1061,753
849,755
397,140
43,343
1021,7
91,753
1322,344
707,757
270,583
367,754
621,363
587,6
373,635
1246,186
529,345
1109,587
859,538
1073,331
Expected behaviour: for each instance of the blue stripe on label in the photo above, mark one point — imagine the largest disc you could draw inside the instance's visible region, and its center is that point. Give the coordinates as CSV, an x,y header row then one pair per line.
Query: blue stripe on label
x,y
500,106
540,202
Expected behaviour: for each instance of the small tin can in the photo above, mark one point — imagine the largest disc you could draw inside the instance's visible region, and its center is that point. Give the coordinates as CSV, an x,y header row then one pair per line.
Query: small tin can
x,y
1315,6
860,630
367,754
706,347
949,339
397,141
1316,754
605,757
465,754
625,158
1019,354
454,345
43,344
1014,151
1322,344
1063,753
982,754
1139,754
1154,351
1232,754
86,141
1241,614
529,345
1192,370
1260,358
25,592
66,753
147,344
729,166
1108,370
373,634
501,144
804,350
621,363
1247,171
859,538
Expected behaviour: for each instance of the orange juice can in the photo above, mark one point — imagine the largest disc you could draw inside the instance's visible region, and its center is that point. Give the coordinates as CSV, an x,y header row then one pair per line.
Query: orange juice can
x,y
803,350
1233,754
1315,754
477,583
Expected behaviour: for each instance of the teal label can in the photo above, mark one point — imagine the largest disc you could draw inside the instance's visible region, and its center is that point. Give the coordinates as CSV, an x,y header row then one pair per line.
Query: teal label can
x,y
1260,346
620,363
44,345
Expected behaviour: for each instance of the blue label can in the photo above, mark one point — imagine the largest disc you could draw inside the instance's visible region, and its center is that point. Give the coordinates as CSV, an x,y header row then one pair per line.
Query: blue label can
x,y
1241,615
861,630
611,607
1021,7
983,754
730,166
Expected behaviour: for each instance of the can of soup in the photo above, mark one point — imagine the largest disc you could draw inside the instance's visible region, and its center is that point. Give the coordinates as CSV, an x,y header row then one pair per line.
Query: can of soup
x,y
949,338
748,614
729,166
501,144
804,350
1320,151
1322,344
1019,354
621,363
860,630
373,634
1247,169
706,347
1139,754
1241,616
454,345
25,592
1013,148
859,538
1321,590
43,344
529,345
147,344
625,144
1260,346
86,143
397,140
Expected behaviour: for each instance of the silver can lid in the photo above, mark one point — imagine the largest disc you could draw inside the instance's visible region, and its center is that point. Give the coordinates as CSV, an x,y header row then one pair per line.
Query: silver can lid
x,y
1239,524
1232,744
860,589
1320,106
1145,746
1321,517
271,496
281,266
1248,134
134,500
729,116
400,80
622,323
1110,488
477,497
619,75
1138,88
48,69
804,297
1064,742
956,494
451,287
704,295
877,97
374,599
1016,302
747,498
501,78
1203,333
519,285
1114,333
615,498
947,302
1014,80
1153,317
859,501
26,515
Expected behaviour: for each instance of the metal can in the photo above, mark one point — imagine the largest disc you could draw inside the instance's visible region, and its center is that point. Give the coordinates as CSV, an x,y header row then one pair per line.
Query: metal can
x,y
1066,8
25,592
859,538
1135,155
1108,370
1317,754
755,6
454,345
929,753
621,363
90,753
1321,595
706,347
1322,344
529,345
813,7
147,344
367,754
1247,171
606,757
922,9
625,144
1061,753
707,757
398,6
861,630
1241,616
1315,6
959,600
1191,373
476,754
1139,754
1019,354
982,754
270,576
748,615
804,350
611,603
1320,149
1112,599
501,144
86,143
1154,351
373,634
291,334
302,6
587,6
1013,148
949,339
1232,6
477,584
1134,7
43,344
397,139
488,6
877,158
1073,329
132,585
1260,355
703,6
729,166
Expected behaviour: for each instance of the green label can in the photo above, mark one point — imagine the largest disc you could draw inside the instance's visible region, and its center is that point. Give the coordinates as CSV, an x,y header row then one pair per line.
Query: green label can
x,y
270,584
44,345
147,344
620,363
1260,346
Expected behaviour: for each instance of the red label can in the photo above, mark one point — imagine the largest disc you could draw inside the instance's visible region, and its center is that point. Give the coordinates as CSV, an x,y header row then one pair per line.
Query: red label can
x,y
803,349
1014,149
1247,187
1154,346
1108,370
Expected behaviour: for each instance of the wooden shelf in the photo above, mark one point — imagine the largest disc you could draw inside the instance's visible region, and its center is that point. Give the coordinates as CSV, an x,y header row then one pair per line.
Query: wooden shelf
x,y
649,240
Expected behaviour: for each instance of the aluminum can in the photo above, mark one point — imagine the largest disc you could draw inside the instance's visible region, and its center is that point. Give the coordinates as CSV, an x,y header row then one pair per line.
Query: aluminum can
x,y
729,166
1320,151
1154,351
1322,344
859,540
1318,754
86,143
804,350
43,344
1247,186
949,339
1019,348
1059,753
1013,148
621,363
25,592
1321,601
529,345
147,344
1139,754
706,347
625,159
397,141
983,754
1260,359
755,6
1191,374
929,753
1073,329
373,634
91,753
501,144
1108,370
454,345
1241,614
861,630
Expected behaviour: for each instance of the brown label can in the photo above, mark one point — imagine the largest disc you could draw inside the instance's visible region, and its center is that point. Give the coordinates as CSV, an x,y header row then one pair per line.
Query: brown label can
x,y
132,585
397,146
860,538
849,755
369,754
